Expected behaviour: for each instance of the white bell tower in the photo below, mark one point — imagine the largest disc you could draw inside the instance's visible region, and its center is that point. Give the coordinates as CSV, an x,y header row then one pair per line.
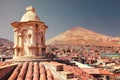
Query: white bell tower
x,y
29,36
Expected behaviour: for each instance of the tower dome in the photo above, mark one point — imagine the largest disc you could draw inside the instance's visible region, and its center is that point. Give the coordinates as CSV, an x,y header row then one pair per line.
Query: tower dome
x,y
30,15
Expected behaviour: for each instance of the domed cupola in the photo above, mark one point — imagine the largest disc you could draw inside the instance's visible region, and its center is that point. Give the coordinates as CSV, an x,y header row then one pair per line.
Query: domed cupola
x,y
30,15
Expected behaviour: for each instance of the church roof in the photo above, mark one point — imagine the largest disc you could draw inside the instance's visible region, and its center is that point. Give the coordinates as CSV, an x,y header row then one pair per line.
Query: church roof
x,y
38,70
30,15
41,71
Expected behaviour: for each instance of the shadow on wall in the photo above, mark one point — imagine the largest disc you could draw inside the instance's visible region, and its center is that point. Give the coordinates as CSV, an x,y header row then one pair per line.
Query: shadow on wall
x,y
6,71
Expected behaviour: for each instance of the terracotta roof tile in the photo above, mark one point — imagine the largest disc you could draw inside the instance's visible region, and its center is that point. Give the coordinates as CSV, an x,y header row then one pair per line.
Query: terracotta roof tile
x,y
23,71
36,71
49,75
39,71
15,73
31,71
78,72
105,72
91,70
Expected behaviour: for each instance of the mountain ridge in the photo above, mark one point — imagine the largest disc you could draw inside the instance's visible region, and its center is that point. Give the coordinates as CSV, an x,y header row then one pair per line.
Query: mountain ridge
x,y
82,36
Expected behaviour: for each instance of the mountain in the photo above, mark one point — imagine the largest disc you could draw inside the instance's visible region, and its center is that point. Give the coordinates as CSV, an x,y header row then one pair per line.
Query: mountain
x,y
6,47
82,36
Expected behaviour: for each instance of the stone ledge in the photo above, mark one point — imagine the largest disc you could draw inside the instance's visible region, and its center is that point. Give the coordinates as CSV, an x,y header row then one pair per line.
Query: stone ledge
x,y
29,59
74,79
61,75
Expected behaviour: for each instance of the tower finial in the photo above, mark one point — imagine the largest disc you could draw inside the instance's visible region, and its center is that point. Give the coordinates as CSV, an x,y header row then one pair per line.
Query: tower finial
x,y
30,8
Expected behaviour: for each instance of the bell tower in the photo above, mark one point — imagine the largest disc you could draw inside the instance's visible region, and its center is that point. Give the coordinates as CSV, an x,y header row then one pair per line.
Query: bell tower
x,y
29,35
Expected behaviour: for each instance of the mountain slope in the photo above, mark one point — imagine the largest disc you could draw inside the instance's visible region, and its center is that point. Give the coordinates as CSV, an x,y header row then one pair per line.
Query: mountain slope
x,y
6,47
82,36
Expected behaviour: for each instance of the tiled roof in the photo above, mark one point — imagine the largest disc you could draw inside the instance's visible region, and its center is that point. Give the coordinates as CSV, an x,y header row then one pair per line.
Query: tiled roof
x,y
105,72
91,70
40,71
31,71
78,72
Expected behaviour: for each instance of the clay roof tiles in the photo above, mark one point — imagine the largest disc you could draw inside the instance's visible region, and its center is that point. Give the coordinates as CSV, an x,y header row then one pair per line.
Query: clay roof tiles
x,y
31,71
40,71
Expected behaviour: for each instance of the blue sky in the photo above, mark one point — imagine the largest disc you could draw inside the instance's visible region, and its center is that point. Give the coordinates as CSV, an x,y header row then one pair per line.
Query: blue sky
x,y
101,16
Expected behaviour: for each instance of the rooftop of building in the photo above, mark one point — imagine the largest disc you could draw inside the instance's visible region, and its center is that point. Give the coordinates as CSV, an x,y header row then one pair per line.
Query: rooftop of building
x,y
36,71
45,71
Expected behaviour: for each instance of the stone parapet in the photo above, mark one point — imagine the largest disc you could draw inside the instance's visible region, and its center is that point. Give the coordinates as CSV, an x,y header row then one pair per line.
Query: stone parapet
x,y
58,72
22,59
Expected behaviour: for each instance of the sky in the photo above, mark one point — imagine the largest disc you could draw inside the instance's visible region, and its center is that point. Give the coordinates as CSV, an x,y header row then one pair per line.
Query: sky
x,y
101,16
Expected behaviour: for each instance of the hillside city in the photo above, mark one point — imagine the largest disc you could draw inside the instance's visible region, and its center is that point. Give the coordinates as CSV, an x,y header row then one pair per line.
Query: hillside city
x,y
76,54
94,57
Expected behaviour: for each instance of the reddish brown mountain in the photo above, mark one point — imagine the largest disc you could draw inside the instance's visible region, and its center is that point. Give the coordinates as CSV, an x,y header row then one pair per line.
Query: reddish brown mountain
x,y
6,47
82,36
